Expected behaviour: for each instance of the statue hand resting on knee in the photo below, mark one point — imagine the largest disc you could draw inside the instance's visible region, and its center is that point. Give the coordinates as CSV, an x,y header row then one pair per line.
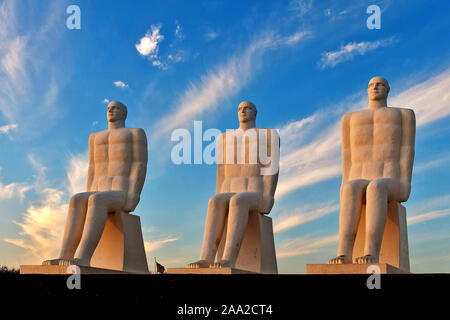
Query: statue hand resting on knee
x,y
246,182
116,175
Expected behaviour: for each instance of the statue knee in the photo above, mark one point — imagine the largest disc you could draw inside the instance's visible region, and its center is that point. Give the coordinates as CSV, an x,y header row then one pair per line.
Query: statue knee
x,y
76,199
238,201
376,188
214,202
349,188
95,200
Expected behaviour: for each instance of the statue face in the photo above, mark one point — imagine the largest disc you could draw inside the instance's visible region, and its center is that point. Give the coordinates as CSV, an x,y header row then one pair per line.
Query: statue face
x,y
115,113
378,88
246,112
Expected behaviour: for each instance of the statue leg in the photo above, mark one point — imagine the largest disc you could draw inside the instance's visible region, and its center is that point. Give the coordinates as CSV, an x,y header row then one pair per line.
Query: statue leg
x,y
76,217
352,194
215,223
377,196
240,206
99,205
73,230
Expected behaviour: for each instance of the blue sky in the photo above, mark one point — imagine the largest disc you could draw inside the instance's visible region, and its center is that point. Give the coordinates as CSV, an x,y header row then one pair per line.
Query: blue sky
x,y
303,63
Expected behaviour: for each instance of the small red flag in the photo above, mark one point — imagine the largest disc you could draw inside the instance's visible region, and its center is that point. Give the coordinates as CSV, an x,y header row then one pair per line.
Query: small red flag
x,y
160,268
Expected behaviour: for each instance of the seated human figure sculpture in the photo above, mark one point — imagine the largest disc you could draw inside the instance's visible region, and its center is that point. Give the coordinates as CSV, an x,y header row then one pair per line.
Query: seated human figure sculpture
x,y
116,175
241,187
377,159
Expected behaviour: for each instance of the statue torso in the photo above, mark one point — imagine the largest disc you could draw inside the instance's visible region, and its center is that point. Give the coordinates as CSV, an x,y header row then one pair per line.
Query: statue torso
x,y
243,175
375,138
113,157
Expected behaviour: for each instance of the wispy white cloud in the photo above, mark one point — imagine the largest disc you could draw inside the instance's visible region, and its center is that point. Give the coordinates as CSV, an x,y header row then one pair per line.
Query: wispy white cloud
x,y
76,172
42,225
43,221
428,216
429,209
222,82
105,101
442,159
301,7
300,216
151,246
303,245
429,99
22,81
179,34
119,84
350,50
11,190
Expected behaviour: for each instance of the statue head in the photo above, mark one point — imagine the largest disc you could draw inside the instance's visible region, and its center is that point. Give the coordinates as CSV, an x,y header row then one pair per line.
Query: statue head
x,y
247,111
378,88
116,111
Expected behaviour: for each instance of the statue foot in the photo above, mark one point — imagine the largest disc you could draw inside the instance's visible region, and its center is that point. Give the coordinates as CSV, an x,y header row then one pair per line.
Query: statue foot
x,y
198,264
65,262
342,259
51,262
367,259
221,264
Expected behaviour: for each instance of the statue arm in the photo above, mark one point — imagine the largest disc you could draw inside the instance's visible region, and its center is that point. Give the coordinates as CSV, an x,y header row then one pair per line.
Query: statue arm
x,y
407,151
220,162
138,169
346,150
271,181
91,168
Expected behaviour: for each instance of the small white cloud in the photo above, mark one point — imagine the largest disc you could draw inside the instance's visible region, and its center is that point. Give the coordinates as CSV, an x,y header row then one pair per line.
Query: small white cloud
x,y
119,84
301,7
211,35
105,101
177,57
148,45
351,49
179,34
7,128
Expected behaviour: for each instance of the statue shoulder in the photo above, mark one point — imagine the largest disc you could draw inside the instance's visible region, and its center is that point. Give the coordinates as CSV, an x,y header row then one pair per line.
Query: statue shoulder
x,y
406,112
408,117
346,117
138,134
93,135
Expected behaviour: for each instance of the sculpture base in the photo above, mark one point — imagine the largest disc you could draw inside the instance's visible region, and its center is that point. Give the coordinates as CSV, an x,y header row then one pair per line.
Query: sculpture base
x,y
208,271
39,269
351,269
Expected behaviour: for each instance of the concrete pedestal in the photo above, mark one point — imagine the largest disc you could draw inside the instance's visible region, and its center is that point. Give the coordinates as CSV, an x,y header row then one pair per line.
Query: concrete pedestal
x,y
257,252
121,246
38,269
394,247
207,271
351,269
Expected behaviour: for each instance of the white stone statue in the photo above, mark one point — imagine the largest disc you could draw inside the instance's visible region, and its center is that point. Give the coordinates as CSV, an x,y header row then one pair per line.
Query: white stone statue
x,y
241,190
116,175
377,159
